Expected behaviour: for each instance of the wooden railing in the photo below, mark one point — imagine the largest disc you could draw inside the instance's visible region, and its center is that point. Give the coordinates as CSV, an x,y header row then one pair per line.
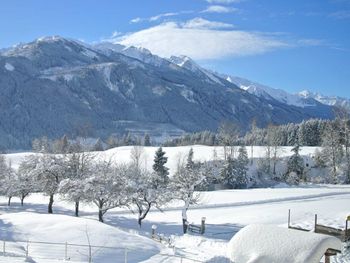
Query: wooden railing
x,y
342,234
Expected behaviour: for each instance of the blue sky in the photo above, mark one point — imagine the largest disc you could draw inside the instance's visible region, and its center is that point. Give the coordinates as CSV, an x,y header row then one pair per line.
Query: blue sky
x,y
293,45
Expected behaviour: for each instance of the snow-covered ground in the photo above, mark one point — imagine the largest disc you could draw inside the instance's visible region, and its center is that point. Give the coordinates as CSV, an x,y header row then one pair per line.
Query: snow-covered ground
x,y
226,212
174,154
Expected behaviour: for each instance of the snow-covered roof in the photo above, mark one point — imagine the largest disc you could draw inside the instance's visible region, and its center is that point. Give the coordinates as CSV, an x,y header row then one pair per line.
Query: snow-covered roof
x,y
272,244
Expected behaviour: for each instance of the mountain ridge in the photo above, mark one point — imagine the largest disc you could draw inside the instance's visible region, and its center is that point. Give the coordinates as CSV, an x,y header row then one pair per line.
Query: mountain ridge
x,y
54,86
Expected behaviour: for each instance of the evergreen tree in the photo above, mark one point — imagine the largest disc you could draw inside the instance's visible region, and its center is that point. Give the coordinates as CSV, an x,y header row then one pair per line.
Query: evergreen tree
x,y
98,145
159,166
295,167
112,142
227,172
147,140
127,139
64,144
241,168
190,162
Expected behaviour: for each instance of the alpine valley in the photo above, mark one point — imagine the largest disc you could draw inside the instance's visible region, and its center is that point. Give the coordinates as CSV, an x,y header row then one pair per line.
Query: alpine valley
x,y
54,86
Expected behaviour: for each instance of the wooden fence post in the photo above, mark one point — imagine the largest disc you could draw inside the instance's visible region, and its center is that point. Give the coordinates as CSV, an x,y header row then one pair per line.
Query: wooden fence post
x,y
315,222
90,256
154,228
288,218
327,258
203,225
27,250
66,251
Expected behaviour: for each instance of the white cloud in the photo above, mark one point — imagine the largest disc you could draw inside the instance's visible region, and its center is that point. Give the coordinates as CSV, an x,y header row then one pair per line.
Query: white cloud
x,y
311,42
223,1
199,22
219,9
160,16
172,38
136,20
115,34
157,17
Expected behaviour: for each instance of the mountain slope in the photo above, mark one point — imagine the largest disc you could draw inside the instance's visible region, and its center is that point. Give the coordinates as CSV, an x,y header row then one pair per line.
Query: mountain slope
x,y
55,86
304,98
271,93
327,100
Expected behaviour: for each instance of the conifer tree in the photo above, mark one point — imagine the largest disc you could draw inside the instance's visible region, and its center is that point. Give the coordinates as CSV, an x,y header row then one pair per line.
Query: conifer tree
x,y
241,168
147,140
295,167
159,166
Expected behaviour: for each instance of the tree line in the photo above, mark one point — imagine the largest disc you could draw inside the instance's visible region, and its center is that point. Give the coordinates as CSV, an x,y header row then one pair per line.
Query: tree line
x,y
306,133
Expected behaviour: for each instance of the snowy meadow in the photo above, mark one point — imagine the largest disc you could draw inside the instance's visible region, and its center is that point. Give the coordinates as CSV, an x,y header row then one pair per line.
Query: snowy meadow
x,y
263,200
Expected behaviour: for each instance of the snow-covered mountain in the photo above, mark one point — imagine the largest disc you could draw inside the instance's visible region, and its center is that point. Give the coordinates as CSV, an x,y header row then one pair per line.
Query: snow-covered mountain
x,y
54,86
327,100
268,93
304,98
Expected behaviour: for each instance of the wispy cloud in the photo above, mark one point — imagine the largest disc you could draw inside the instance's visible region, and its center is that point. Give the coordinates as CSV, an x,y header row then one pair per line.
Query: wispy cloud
x,y
314,42
200,41
344,14
159,16
136,20
116,34
201,23
219,9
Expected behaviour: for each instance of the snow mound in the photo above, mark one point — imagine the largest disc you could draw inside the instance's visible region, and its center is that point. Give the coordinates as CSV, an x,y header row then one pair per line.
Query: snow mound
x,y
9,67
271,244
61,228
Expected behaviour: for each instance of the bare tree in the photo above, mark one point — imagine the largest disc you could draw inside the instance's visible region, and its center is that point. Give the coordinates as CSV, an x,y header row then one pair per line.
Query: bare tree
x,y
332,151
78,168
273,147
147,189
228,133
343,120
106,188
48,172
183,183
253,129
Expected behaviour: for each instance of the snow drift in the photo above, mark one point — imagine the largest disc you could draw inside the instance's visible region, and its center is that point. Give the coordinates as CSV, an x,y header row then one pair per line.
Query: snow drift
x,y
271,244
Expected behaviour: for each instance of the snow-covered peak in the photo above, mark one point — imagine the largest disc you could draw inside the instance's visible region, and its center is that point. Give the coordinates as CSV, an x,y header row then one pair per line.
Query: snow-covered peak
x,y
327,100
28,49
141,54
189,64
304,93
108,47
50,39
185,62
266,92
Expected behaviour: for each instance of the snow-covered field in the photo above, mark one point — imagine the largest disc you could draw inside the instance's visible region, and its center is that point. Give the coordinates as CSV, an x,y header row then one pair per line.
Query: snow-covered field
x,y
226,212
174,154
